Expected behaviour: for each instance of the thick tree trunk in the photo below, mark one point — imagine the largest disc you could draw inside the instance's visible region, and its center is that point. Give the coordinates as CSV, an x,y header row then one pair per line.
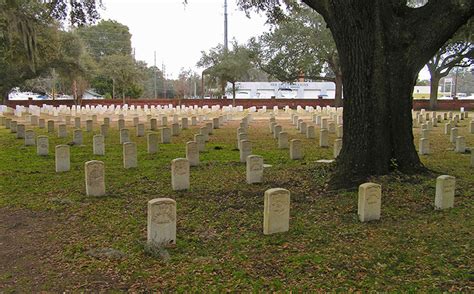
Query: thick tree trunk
x,y
434,84
338,94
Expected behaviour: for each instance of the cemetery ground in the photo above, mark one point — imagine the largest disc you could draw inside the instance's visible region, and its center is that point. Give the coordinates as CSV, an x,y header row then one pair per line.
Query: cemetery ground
x,y
55,238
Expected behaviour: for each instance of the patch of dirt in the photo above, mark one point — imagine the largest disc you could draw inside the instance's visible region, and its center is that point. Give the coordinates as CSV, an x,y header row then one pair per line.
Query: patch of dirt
x,y
31,253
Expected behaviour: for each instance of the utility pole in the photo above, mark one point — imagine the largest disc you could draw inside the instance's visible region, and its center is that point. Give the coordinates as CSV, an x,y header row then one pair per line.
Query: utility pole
x,y
164,78
225,27
154,81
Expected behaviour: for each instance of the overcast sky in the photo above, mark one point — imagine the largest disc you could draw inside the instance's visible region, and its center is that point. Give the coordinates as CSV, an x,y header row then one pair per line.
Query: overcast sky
x,y
180,32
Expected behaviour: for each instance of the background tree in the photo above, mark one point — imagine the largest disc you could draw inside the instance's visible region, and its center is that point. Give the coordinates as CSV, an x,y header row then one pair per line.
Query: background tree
x,y
457,52
228,66
124,74
382,46
300,46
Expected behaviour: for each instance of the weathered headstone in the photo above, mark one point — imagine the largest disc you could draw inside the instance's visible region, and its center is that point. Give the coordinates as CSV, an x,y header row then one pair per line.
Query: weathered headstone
x,y
296,149
20,131
107,121
241,136
447,128
98,145
323,138
77,137
184,123
245,150
277,129
62,131
104,130
30,138
13,125
89,125
254,169
201,144
152,143
337,147
339,131
42,145
445,187
161,222
124,136
215,123
424,146
283,140
192,153
165,135
164,121
460,144
180,174
77,123
121,124
130,155
175,129
95,178
62,158
276,213
205,132
140,130
153,124
41,123
453,135
370,201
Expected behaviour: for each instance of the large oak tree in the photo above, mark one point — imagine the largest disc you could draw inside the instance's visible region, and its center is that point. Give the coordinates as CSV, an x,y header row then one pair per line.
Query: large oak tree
x,y
382,45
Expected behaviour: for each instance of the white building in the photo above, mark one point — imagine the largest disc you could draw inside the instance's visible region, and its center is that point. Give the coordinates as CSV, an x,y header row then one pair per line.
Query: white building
x,y
265,90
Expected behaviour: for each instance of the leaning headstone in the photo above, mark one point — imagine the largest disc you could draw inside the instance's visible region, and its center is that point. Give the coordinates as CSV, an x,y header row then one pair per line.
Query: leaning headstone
x,y
180,174
63,158
152,143
276,212
245,150
98,145
30,139
165,135
161,222
323,138
424,147
337,147
124,136
370,200
201,144
192,153
42,145
20,131
50,126
62,131
95,178
140,130
254,169
283,140
296,149
77,137
130,155
445,186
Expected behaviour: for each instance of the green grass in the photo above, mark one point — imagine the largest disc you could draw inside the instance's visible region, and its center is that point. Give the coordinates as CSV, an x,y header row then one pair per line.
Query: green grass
x,y
220,244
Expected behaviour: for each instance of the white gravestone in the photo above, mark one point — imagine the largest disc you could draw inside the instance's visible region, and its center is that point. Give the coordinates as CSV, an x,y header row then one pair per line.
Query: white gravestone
x,y
180,174
245,150
30,138
63,158
20,131
296,149
62,131
165,135
370,200
153,124
89,125
95,178
453,135
130,155
98,145
310,132
152,143
460,144
42,145
337,147
424,147
140,130
283,140
445,187
323,138
192,153
254,169
77,137
175,129
277,130
276,212
124,136
161,222
201,143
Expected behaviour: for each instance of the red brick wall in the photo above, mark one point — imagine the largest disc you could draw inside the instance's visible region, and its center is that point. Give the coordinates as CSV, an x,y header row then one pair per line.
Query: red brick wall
x,y
293,103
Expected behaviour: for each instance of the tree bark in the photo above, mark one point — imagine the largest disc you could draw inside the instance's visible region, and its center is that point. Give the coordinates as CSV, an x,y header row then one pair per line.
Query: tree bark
x,y
233,94
434,84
